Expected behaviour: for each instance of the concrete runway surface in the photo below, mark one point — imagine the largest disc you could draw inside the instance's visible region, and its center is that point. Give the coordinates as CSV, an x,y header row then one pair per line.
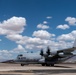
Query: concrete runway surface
x,y
58,69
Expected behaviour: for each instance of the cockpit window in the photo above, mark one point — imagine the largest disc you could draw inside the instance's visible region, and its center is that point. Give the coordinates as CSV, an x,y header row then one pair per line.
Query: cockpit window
x,y
19,56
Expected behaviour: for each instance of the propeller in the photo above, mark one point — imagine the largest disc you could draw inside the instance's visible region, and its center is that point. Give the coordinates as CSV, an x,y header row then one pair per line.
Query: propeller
x,y
41,53
48,51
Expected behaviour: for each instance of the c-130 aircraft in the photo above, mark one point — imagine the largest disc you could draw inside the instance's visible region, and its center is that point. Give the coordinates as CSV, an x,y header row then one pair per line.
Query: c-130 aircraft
x,y
47,59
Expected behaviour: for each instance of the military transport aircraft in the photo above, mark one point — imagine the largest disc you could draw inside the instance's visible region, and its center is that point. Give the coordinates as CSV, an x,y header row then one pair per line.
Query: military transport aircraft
x,y
48,58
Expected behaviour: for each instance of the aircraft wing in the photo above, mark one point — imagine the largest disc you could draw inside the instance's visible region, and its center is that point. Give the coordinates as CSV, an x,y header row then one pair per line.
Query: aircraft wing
x,y
69,50
65,54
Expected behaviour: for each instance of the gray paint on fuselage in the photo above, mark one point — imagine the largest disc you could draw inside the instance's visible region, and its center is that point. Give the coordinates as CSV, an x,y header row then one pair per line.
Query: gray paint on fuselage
x,y
29,57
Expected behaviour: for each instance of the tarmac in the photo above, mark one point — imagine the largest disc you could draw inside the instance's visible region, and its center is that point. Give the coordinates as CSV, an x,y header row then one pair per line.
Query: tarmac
x,y
58,69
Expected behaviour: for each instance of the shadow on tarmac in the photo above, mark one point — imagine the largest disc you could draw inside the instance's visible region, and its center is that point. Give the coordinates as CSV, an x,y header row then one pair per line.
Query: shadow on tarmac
x,y
63,66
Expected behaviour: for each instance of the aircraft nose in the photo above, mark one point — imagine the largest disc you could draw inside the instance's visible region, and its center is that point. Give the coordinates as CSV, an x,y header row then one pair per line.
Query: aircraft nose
x,y
8,61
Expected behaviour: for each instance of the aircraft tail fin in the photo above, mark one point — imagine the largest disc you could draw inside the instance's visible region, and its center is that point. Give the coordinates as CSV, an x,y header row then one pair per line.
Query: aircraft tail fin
x,y
74,45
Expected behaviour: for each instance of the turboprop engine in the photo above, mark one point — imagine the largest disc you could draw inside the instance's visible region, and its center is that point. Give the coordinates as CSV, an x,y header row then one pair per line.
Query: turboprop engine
x,y
64,54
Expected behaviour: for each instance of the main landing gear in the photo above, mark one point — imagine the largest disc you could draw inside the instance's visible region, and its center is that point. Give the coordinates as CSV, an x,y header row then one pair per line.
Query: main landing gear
x,y
45,64
22,64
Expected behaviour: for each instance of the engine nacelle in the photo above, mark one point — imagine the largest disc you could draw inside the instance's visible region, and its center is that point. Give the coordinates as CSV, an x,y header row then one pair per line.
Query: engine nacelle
x,y
65,54
61,54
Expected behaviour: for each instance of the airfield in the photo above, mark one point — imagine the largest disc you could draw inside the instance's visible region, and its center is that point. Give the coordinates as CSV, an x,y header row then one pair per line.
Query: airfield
x,y
58,69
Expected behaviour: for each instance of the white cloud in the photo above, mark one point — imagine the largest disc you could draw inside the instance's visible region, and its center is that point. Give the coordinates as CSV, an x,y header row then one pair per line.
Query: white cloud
x,y
13,25
67,37
23,41
38,42
43,34
42,26
48,17
14,37
11,54
12,28
5,54
0,39
19,49
45,22
71,20
30,40
40,39
32,43
65,26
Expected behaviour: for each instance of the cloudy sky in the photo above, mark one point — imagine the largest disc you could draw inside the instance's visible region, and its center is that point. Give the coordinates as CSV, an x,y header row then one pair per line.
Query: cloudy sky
x,y
29,25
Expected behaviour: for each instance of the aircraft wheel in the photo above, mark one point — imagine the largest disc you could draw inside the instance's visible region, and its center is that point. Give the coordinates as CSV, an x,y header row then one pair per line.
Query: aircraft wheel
x,y
47,64
43,64
52,64
22,64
